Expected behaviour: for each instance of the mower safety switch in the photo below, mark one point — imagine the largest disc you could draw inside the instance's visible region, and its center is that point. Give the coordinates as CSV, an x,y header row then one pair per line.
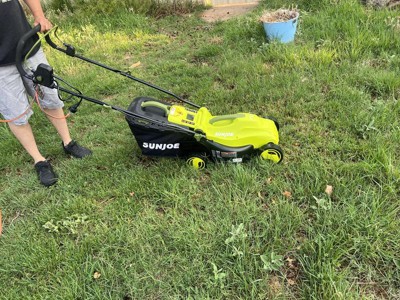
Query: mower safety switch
x,y
44,75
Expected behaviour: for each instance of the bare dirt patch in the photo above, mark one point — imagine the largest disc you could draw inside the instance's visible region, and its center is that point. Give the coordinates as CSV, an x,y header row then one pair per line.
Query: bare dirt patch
x,y
222,13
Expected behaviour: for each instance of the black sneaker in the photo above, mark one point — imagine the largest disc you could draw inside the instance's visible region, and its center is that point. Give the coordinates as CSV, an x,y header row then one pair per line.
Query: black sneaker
x,y
76,150
46,174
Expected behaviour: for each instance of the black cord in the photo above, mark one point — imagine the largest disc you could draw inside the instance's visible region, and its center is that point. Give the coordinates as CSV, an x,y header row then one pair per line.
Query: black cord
x,y
69,85
74,108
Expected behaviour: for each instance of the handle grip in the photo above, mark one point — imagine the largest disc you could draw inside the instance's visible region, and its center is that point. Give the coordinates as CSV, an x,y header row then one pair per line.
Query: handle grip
x,y
50,41
69,50
158,105
226,117
20,48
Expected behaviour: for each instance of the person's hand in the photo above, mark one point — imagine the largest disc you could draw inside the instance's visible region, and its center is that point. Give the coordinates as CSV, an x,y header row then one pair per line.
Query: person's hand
x,y
45,24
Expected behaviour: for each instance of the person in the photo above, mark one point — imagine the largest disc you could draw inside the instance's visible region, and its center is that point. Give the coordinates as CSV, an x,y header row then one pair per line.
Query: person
x,y
14,89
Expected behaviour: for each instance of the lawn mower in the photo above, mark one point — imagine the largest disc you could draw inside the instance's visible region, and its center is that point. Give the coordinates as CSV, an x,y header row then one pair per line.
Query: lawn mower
x,y
164,129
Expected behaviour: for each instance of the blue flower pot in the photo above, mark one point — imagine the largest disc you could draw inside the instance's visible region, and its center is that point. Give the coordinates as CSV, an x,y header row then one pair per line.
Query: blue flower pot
x,y
283,32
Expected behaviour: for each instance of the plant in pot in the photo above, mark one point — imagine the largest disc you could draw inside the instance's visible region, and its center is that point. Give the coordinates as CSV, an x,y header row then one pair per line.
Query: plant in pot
x,y
280,25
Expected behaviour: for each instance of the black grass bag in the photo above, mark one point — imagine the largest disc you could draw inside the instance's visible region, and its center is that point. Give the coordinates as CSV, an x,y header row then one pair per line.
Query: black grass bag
x,y
158,140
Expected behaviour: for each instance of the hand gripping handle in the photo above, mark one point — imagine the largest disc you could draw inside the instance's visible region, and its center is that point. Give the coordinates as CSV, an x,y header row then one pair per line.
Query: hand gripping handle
x,y
20,48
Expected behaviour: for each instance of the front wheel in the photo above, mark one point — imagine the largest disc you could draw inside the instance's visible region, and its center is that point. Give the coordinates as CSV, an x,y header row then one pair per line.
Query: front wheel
x,y
272,152
197,162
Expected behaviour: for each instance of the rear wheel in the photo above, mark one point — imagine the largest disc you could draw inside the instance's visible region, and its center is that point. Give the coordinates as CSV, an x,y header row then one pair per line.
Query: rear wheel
x,y
272,152
197,162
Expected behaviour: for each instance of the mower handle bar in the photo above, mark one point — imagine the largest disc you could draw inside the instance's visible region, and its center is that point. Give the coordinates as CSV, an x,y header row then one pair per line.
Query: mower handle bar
x,y
70,50
21,70
20,48
132,114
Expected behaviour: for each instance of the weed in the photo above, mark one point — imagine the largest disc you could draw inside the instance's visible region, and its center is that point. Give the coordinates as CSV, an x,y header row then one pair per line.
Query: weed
x,y
236,240
219,276
70,225
272,261
366,129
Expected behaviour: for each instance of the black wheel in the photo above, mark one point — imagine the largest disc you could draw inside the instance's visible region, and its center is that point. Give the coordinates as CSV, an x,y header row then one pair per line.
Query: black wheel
x,y
272,152
275,121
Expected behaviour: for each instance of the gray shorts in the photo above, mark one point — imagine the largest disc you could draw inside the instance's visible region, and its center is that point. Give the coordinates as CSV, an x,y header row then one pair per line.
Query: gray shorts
x,y
14,92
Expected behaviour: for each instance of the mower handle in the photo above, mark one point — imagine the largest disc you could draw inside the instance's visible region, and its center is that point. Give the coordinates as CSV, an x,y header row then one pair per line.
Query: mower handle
x,y
226,117
50,41
69,50
157,104
20,48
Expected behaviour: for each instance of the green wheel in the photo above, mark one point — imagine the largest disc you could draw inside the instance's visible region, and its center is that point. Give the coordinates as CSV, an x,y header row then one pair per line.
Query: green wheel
x,y
272,152
197,162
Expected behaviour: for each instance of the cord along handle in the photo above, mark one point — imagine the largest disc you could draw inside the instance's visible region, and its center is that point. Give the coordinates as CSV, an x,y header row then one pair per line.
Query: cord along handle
x,y
20,48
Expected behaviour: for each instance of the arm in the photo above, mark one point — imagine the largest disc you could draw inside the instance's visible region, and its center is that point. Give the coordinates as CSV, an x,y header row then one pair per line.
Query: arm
x,y
37,12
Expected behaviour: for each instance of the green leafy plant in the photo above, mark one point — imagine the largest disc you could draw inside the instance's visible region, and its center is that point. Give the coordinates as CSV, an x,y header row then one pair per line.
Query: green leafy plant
x,y
237,233
366,129
219,276
272,262
236,240
322,203
69,225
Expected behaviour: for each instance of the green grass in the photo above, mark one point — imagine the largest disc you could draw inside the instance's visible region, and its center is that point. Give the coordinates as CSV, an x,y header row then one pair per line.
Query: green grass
x,y
155,8
156,229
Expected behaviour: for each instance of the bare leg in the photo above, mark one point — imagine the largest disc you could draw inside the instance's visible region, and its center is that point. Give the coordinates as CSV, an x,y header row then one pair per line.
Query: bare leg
x,y
24,135
60,123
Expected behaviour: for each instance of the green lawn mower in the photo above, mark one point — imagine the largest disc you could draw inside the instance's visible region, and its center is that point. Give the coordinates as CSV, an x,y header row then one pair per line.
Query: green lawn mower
x,y
164,129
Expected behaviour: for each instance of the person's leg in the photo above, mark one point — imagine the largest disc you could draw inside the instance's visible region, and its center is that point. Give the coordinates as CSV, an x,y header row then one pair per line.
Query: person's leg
x,y
56,117
52,106
71,147
14,106
48,98
24,135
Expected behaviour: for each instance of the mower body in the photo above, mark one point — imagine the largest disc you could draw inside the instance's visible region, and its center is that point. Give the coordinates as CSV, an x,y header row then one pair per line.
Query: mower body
x,y
236,130
233,138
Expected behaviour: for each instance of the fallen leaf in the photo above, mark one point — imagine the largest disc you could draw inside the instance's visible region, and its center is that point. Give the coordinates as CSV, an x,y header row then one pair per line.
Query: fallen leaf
x,y
96,275
329,190
287,194
291,282
269,180
290,262
132,194
135,65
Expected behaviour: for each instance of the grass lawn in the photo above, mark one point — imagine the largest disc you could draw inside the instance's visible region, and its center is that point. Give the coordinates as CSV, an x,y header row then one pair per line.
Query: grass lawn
x,y
323,224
